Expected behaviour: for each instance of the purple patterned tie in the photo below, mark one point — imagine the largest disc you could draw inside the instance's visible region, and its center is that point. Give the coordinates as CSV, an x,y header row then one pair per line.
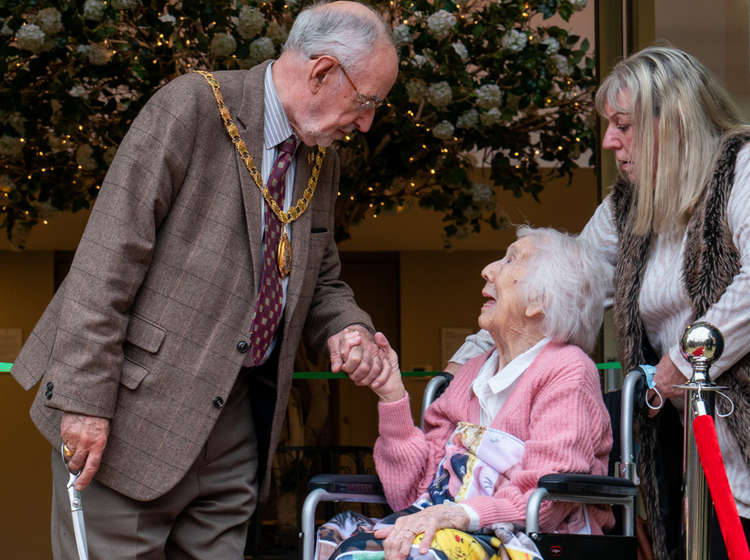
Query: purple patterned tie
x,y
269,307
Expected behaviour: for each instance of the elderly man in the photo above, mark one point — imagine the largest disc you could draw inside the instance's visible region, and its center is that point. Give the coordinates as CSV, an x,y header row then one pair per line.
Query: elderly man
x,y
166,356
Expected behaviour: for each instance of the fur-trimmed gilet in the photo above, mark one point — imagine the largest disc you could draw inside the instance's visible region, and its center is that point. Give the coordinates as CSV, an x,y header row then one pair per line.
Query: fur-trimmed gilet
x,y
710,263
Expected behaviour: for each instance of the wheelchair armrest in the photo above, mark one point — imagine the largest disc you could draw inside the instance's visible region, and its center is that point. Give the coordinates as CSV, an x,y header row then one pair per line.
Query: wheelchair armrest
x,y
586,484
346,484
335,488
582,488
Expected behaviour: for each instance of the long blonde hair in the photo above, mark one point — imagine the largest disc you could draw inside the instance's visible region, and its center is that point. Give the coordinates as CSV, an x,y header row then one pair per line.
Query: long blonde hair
x,y
678,113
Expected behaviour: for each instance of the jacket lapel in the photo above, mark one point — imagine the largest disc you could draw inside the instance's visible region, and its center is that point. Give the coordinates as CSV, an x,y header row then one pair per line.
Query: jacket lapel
x,y
249,120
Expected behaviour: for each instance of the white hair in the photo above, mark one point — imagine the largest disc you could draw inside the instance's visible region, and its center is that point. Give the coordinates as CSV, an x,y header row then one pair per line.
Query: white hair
x,y
346,35
570,281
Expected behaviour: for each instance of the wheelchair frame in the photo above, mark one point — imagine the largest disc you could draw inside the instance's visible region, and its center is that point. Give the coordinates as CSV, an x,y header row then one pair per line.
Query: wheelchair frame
x,y
561,487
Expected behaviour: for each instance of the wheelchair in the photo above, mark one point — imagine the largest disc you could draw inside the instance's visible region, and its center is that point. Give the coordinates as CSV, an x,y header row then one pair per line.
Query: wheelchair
x,y
619,489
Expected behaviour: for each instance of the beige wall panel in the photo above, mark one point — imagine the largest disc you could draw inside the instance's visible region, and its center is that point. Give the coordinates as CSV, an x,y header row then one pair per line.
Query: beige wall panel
x,y
26,285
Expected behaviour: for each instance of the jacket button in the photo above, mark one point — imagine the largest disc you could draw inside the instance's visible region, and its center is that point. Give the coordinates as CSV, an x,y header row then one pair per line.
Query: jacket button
x,y
218,402
48,390
243,346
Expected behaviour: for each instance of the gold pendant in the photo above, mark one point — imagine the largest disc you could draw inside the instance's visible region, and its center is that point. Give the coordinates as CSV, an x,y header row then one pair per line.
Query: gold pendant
x,y
284,255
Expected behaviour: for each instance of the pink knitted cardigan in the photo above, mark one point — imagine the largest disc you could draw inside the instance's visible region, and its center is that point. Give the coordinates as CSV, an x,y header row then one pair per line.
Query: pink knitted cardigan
x,y
556,409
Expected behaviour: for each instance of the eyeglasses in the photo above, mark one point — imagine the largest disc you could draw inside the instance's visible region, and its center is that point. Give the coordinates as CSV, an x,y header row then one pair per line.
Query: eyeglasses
x,y
366,102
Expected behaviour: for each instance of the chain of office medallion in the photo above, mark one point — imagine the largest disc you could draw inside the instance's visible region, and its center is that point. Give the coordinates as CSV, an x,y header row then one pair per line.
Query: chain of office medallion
x,y
301,205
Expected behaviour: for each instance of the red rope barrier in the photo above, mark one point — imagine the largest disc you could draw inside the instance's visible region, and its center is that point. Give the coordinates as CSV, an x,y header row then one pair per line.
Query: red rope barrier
x,y
718,484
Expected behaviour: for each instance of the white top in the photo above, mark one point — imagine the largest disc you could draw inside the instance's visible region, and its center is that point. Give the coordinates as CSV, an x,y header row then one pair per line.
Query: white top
x,y
492,387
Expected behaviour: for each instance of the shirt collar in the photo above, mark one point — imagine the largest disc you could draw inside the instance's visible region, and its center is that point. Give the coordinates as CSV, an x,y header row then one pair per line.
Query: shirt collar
x,y
276,126
513,370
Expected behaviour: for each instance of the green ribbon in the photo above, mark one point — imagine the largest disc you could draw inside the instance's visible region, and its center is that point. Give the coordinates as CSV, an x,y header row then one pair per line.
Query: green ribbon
x,y
5,368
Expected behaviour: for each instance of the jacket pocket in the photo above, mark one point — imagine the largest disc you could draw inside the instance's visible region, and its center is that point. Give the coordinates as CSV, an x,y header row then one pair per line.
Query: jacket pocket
x,y
145,334
132,374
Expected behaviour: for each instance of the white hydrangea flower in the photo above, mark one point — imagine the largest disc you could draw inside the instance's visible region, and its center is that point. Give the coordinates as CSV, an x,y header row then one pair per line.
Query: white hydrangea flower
x,y
579,4
93,10
552,44
514,40
168,18
77,91
223,44
561,63
85,157
440,24
49,20
11,147
491,116
31,38
402,35
482,194
419,60
461,51
261,49
416,90
250,22
443,130
277,33
468,119
125,4
440,94
489,95
96,54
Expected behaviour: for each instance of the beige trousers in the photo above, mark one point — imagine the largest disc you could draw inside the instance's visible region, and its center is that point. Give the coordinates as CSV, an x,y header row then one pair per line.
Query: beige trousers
x,y
205,516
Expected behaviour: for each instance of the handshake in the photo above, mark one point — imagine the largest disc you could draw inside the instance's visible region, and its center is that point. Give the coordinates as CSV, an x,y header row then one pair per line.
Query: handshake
x,y
368,360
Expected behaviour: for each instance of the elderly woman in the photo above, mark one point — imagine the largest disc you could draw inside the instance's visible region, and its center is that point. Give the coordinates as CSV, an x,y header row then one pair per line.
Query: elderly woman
x,y
677,227
531,406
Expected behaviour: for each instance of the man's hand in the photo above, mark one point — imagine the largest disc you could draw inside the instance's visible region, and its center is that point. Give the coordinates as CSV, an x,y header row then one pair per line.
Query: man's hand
x,y
354,352
400,537
666,377
86,437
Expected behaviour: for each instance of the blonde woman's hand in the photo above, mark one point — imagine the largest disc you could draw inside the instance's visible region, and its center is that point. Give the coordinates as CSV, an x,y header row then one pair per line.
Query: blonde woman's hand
x,y
666,377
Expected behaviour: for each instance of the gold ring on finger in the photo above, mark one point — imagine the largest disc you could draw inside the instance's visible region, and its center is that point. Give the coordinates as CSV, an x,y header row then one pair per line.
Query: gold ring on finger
x,y
67,451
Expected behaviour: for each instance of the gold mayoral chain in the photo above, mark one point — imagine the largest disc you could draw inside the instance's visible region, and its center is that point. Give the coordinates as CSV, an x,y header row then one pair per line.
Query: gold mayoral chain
x,y
284,250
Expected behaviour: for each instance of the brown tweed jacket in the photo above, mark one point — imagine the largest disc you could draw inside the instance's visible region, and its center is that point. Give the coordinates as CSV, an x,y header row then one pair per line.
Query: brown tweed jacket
x,y
146,328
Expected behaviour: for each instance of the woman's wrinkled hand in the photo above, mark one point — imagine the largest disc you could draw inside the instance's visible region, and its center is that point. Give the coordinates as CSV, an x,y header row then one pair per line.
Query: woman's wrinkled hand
x,y
389,386
399,537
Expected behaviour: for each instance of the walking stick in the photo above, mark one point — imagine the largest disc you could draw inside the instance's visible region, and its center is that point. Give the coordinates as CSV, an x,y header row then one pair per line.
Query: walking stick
x,y
76,510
